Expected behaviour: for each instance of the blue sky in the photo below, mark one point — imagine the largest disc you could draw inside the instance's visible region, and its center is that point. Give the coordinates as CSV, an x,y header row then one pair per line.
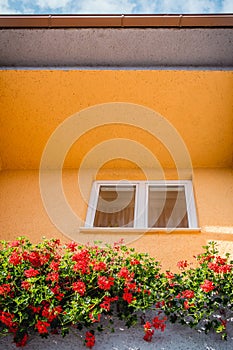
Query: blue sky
x,y
114,6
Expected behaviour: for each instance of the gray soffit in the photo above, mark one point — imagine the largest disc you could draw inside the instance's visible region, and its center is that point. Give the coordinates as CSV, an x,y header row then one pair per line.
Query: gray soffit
x,y
177,41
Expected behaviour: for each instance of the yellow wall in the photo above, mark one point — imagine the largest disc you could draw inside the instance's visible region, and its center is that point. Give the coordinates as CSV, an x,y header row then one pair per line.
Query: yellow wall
x,y
22,212
199,105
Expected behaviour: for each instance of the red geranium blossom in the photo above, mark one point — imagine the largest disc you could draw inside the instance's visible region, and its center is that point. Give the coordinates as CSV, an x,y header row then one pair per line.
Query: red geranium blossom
x,y
54,266
26,285
90,340
71,246
182,264
93,319
31,273
188,294
127,296
207,286
14,244
149,332
52,276
5,289
106,304
42,326
187,305
169,275
15,258
105,283
23,341
100,266
159,323
134,262
79,287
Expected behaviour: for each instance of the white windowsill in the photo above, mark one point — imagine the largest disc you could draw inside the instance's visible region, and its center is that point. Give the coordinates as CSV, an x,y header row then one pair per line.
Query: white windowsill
x,y
128,230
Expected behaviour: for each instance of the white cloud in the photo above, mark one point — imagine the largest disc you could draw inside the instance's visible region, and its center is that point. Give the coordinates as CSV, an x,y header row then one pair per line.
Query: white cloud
x,y
187,6
106,6
116,6
52,4
5,8
227,6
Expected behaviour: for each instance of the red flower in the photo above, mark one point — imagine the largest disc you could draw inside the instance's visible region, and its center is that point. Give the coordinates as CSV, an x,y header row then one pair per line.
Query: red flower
x,y
149,332
23,341
59,296
187,305
55,289
52,276
146,291
31,273
131,285
105,283
160,304
188,294
101,266
220,261
44,259
42,326
14,244
34,258
124,273
127,296
134,262
81,266
219,268
148,336
35,309
79,287
159,323
7,319
54,266
225,268
25,285
71,246
5,289
15,259
182,264
90,340
93,319
207,286
169,275
106,304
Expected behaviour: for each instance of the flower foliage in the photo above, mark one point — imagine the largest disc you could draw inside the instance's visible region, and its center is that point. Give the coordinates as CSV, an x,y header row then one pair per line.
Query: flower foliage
x,y
49,288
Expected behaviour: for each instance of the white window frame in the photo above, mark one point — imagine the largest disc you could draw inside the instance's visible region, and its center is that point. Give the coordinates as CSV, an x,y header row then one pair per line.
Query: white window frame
x,y
141,201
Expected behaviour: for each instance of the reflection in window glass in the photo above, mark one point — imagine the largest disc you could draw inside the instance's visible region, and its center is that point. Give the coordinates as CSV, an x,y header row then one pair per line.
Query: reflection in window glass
x,y
167,207
115,207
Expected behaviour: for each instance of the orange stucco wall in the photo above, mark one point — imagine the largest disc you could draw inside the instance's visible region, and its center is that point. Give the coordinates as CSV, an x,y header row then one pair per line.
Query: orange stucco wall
x,y
198,104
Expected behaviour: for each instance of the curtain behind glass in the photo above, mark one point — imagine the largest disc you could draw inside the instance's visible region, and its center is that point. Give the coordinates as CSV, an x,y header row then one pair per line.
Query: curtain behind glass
x,y
115,207
167,207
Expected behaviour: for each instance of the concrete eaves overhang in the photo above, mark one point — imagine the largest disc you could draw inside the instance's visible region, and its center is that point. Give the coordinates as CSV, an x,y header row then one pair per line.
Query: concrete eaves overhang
x,y
117,41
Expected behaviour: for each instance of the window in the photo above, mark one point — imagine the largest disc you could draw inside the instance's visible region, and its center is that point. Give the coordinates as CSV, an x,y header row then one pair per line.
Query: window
x,y
141,204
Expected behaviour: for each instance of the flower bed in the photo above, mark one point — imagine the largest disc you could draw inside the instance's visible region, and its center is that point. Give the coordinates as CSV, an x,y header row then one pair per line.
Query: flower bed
x,y
49,288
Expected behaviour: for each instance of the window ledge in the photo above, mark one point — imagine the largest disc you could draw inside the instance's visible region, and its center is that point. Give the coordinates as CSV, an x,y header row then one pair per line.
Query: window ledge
x,y
128,230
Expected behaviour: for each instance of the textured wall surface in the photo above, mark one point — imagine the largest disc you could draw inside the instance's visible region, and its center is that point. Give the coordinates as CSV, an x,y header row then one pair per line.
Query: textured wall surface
x,y
22,212
199,105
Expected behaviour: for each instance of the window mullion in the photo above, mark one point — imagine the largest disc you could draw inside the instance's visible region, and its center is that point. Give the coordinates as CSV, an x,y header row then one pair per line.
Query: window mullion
x,y
141,212
191,211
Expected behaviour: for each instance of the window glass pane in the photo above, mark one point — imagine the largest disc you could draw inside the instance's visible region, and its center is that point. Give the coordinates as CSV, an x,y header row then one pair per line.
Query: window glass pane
x,y
167,207
115,207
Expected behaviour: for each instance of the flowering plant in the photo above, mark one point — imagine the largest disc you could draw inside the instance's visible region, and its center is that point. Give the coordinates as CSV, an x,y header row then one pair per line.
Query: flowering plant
x,y
48,288
201,296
